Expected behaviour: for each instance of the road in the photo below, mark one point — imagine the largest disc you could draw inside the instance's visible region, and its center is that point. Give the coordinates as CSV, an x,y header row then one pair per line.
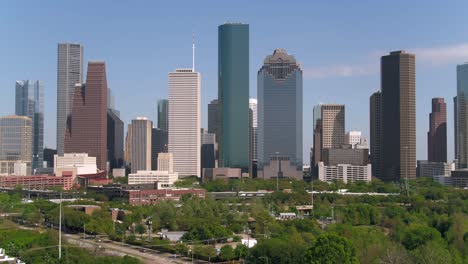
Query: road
x,y
120,249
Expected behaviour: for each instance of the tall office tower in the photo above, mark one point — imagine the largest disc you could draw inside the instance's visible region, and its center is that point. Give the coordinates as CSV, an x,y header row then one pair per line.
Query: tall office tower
x,y
353,138
376,134
184,120
280,109
462,115
213,118
115,139
49,156
253,134
16,140
208,150
398,115
141,144
330,119
163,116
158,145
437,135
30,103
166,162
455,127
233,95
69,73
110,99
87,125
128,146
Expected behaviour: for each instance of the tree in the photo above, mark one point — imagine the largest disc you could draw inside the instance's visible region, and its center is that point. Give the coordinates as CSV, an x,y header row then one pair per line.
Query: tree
x,y
431,253
181,248
331,248
417,236
227,253
241,251
140,229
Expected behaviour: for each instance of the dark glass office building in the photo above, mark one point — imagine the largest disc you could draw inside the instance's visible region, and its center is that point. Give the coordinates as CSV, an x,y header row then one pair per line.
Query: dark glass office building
x,y
233,95
30,103
279,109
376,133
163,117
398,115
115,139
159,139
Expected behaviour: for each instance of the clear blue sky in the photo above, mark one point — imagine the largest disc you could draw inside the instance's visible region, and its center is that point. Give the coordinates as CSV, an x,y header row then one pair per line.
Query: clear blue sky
x,y
338,44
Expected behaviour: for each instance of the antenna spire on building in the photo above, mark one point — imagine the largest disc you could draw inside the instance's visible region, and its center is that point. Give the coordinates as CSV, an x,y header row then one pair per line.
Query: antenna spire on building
x,y
193,52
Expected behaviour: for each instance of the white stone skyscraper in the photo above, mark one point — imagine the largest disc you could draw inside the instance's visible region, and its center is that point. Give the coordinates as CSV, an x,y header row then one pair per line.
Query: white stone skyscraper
x,y
184,121
69,73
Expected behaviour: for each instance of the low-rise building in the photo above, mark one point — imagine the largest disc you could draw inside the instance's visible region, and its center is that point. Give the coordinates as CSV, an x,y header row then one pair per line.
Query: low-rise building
x,y
41,182
457,178
164,177
344,172
280,167
118,172
87,209
81,161
431,168
152,196
211,174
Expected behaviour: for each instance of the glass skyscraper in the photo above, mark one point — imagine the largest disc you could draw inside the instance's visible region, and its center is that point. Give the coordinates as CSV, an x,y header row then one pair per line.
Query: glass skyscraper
x,y
15,143
280,109
233,95
163,117
30,103
462,116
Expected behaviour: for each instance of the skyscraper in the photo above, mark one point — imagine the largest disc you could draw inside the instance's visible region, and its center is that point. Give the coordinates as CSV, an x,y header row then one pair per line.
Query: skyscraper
x,y
128,146
455,127
115,139
141,144
462,115
87,125
376,134
213,118
253,137
280,109
233,95
398,115
437,135
184,120
69,73
15,143
158,145
208,150
163,116
30,103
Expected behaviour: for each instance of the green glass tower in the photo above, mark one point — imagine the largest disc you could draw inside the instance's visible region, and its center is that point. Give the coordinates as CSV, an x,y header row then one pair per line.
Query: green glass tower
x,y
233,95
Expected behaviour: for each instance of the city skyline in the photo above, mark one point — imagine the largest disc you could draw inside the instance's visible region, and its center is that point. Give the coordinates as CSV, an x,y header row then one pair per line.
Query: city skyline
x,y
324,79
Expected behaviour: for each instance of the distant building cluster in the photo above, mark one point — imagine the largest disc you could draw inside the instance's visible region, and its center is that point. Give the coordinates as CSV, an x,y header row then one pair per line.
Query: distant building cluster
x,y
245,137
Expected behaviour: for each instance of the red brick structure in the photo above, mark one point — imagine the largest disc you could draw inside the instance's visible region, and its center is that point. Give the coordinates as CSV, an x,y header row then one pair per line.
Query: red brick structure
x,y
87,126
437,135
41,182
145,197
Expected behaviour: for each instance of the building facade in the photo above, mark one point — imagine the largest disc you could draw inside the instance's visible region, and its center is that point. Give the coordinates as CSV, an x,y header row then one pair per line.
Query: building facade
x,y
82,162
165,178
30,103
87,125
433,168
333,156
159,142
455,127
344,172
253,130
16,139
280,109
208,150
115,139
163,114
398,115
141,144
69,73
437,135
166,162
462,115
233,95
353,138
329,128
280,167
184,121
376,134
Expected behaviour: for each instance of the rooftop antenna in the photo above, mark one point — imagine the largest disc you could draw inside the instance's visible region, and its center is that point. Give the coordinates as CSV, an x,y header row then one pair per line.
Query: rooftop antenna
x,y
193,52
